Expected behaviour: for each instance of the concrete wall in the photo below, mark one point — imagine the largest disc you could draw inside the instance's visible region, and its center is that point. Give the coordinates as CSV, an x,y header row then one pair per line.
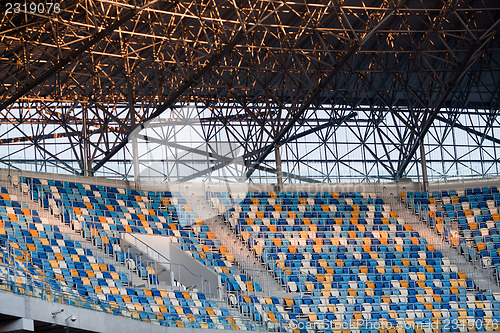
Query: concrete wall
x,y
190,272
199,188
154,246
93,321
186,269
69,178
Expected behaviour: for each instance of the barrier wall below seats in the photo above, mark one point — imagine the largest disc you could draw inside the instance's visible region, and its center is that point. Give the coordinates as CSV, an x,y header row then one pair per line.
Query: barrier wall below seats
x,y
18,306
194,187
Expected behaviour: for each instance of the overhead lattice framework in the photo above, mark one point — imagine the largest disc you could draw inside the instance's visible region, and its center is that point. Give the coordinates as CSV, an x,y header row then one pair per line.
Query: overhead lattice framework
x,y
347,89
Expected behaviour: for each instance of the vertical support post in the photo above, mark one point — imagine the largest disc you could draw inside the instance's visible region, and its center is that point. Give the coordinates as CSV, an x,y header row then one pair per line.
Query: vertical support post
x,y
135,156
279,172
172,277
219,287
86,165
424,166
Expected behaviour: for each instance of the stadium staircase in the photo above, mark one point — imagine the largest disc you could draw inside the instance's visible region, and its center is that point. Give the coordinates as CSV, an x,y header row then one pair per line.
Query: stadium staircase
x,y
483,276
247,262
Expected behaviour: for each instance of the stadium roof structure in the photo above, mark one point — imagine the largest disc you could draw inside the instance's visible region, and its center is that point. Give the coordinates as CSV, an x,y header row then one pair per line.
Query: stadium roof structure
x,y
313,91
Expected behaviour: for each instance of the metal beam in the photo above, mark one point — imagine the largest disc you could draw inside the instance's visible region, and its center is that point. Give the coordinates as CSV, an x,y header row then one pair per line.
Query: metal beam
x,y
182,147
468,129
191,81
334,122
315,93
289,175
455,76
259,167
74,55
38,138
227,161
223,159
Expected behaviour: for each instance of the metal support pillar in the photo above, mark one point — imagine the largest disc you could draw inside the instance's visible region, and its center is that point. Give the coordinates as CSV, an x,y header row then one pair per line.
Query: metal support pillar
x,y
86,165
424,166
135,156
279,172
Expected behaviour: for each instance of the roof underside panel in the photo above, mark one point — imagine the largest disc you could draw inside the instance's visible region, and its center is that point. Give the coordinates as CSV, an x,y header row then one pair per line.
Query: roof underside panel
x,y
349,89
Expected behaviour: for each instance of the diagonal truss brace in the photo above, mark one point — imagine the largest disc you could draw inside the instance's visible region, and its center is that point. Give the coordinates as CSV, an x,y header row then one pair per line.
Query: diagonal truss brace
x,y
315,93
335,122
191,81
471,56
468,129
226,161
74,55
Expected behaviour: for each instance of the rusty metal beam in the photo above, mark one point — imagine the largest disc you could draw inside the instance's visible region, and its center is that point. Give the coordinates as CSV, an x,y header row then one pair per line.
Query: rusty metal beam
x,y
72,56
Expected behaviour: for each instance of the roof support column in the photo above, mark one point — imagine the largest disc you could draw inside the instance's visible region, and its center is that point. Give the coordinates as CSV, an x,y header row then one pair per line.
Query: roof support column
x,y
424,166
279,172
86,164
135,157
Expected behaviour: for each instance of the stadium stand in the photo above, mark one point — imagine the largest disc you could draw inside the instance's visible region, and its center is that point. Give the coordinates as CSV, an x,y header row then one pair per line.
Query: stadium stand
x,y
468,217
340,258
351,258
279,166
102,212
50,259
